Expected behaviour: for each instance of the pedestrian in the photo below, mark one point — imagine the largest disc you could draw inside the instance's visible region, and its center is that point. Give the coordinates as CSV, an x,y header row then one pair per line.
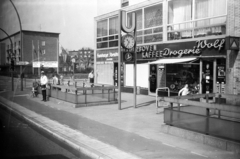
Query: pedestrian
x,y
43,83
184,91
56,81
91,77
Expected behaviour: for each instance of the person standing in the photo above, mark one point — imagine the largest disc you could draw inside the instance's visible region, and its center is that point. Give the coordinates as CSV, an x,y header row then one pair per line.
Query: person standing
x,y
56,80
91,77
43,83
184,91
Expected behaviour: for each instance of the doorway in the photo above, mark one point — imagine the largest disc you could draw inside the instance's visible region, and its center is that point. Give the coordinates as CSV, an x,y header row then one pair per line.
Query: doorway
x,y
152,79
207,76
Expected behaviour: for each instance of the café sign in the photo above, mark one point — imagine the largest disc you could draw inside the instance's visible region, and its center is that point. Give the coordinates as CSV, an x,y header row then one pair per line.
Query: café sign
x,y
180,49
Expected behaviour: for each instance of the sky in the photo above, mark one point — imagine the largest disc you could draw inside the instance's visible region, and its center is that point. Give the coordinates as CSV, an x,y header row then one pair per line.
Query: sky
x,y
73,19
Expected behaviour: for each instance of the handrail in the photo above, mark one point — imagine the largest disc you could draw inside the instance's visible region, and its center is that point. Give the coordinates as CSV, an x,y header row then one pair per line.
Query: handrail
x,y
221,107
157,95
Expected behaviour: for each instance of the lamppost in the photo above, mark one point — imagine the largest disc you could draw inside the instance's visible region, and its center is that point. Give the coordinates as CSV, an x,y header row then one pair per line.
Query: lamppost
x,y
21,49
12,58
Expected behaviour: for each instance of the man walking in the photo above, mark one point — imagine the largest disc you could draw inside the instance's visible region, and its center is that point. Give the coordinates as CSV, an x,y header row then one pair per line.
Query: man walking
x,y
43,82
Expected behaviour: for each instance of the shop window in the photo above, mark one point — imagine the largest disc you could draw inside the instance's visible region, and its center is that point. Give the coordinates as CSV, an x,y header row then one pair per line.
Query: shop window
x,y
177,75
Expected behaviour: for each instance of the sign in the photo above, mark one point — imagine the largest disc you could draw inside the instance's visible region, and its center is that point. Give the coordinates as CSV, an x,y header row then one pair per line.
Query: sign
x,y
124,27
212,47
37,64
232,43
22,63
128,57
107,55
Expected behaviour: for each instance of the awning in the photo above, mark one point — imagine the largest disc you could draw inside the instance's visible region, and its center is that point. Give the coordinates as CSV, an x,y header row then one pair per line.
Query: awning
x,y
172,60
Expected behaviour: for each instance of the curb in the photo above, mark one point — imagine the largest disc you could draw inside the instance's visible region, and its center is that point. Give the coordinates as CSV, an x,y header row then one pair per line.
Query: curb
x,y
76,142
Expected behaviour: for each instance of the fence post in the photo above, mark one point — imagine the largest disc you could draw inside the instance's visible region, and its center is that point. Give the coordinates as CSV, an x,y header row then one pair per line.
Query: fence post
x,y
207,121
92,88
86,97
219,111
108,95
76,97
171,114
83,87
114,94
102,91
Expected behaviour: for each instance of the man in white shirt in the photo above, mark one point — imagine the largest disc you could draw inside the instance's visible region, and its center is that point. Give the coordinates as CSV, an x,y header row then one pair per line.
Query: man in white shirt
x,y
91,77
43,83
184,91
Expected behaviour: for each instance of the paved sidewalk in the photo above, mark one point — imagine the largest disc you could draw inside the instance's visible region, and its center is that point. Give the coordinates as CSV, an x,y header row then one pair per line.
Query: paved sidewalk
x,y
142,123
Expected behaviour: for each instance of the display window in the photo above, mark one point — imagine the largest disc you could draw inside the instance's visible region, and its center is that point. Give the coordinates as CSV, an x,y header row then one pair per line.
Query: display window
x,y
177,75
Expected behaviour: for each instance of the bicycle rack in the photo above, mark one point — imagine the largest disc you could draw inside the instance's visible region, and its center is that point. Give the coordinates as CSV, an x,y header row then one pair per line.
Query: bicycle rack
x,y
161,88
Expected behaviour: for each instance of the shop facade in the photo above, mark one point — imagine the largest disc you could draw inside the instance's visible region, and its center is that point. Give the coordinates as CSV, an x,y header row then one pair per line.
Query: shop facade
x,y
178,42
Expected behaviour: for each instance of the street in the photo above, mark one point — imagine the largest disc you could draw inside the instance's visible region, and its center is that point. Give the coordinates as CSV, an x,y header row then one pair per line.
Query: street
x,y
19,140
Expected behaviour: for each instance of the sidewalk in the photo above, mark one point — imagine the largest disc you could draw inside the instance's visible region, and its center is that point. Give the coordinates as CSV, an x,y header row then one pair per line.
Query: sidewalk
x,y
142,124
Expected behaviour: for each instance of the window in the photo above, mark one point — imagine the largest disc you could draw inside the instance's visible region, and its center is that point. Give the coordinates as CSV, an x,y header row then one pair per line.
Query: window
x,y
210,8
107,35
102,28
153,16
113,26
43,43
209,18
151,30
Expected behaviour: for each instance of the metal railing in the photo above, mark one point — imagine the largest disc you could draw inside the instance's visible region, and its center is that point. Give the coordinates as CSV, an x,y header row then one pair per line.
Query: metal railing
x,y
161,88
203,116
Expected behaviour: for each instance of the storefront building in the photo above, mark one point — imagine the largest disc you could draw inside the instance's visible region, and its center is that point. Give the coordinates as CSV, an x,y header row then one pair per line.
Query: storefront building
x,y
178,42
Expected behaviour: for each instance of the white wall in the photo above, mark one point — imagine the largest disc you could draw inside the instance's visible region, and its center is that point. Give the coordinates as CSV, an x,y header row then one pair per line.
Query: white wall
x,y
142,75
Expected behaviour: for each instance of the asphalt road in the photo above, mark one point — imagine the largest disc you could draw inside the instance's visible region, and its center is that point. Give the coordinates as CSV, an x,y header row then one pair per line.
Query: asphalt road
x,y
20,141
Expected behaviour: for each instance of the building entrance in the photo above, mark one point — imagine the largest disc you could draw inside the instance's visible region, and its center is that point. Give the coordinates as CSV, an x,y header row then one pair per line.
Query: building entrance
x,y
152,78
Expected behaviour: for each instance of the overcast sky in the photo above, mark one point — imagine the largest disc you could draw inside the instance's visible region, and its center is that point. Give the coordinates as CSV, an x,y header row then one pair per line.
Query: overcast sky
x,y
73,19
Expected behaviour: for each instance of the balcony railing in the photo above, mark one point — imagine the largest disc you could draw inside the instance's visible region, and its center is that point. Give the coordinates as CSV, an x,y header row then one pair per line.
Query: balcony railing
x,y
197,28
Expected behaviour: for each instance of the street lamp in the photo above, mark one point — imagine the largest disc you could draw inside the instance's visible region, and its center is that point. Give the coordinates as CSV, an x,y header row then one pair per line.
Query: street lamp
x,y
21,52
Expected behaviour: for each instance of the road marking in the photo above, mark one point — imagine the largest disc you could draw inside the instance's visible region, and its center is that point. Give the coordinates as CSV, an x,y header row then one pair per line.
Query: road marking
x,y
198,154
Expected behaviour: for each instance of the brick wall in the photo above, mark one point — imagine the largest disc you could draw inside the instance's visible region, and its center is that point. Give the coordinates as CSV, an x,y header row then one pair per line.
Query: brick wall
x,y
233,57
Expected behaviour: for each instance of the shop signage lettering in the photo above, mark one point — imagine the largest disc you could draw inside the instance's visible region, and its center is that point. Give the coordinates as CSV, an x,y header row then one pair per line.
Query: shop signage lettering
x,y
150,51
217,44
107,55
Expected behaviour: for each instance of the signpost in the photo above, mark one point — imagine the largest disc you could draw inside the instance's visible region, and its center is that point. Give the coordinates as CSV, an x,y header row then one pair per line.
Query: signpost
x,y
129,43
